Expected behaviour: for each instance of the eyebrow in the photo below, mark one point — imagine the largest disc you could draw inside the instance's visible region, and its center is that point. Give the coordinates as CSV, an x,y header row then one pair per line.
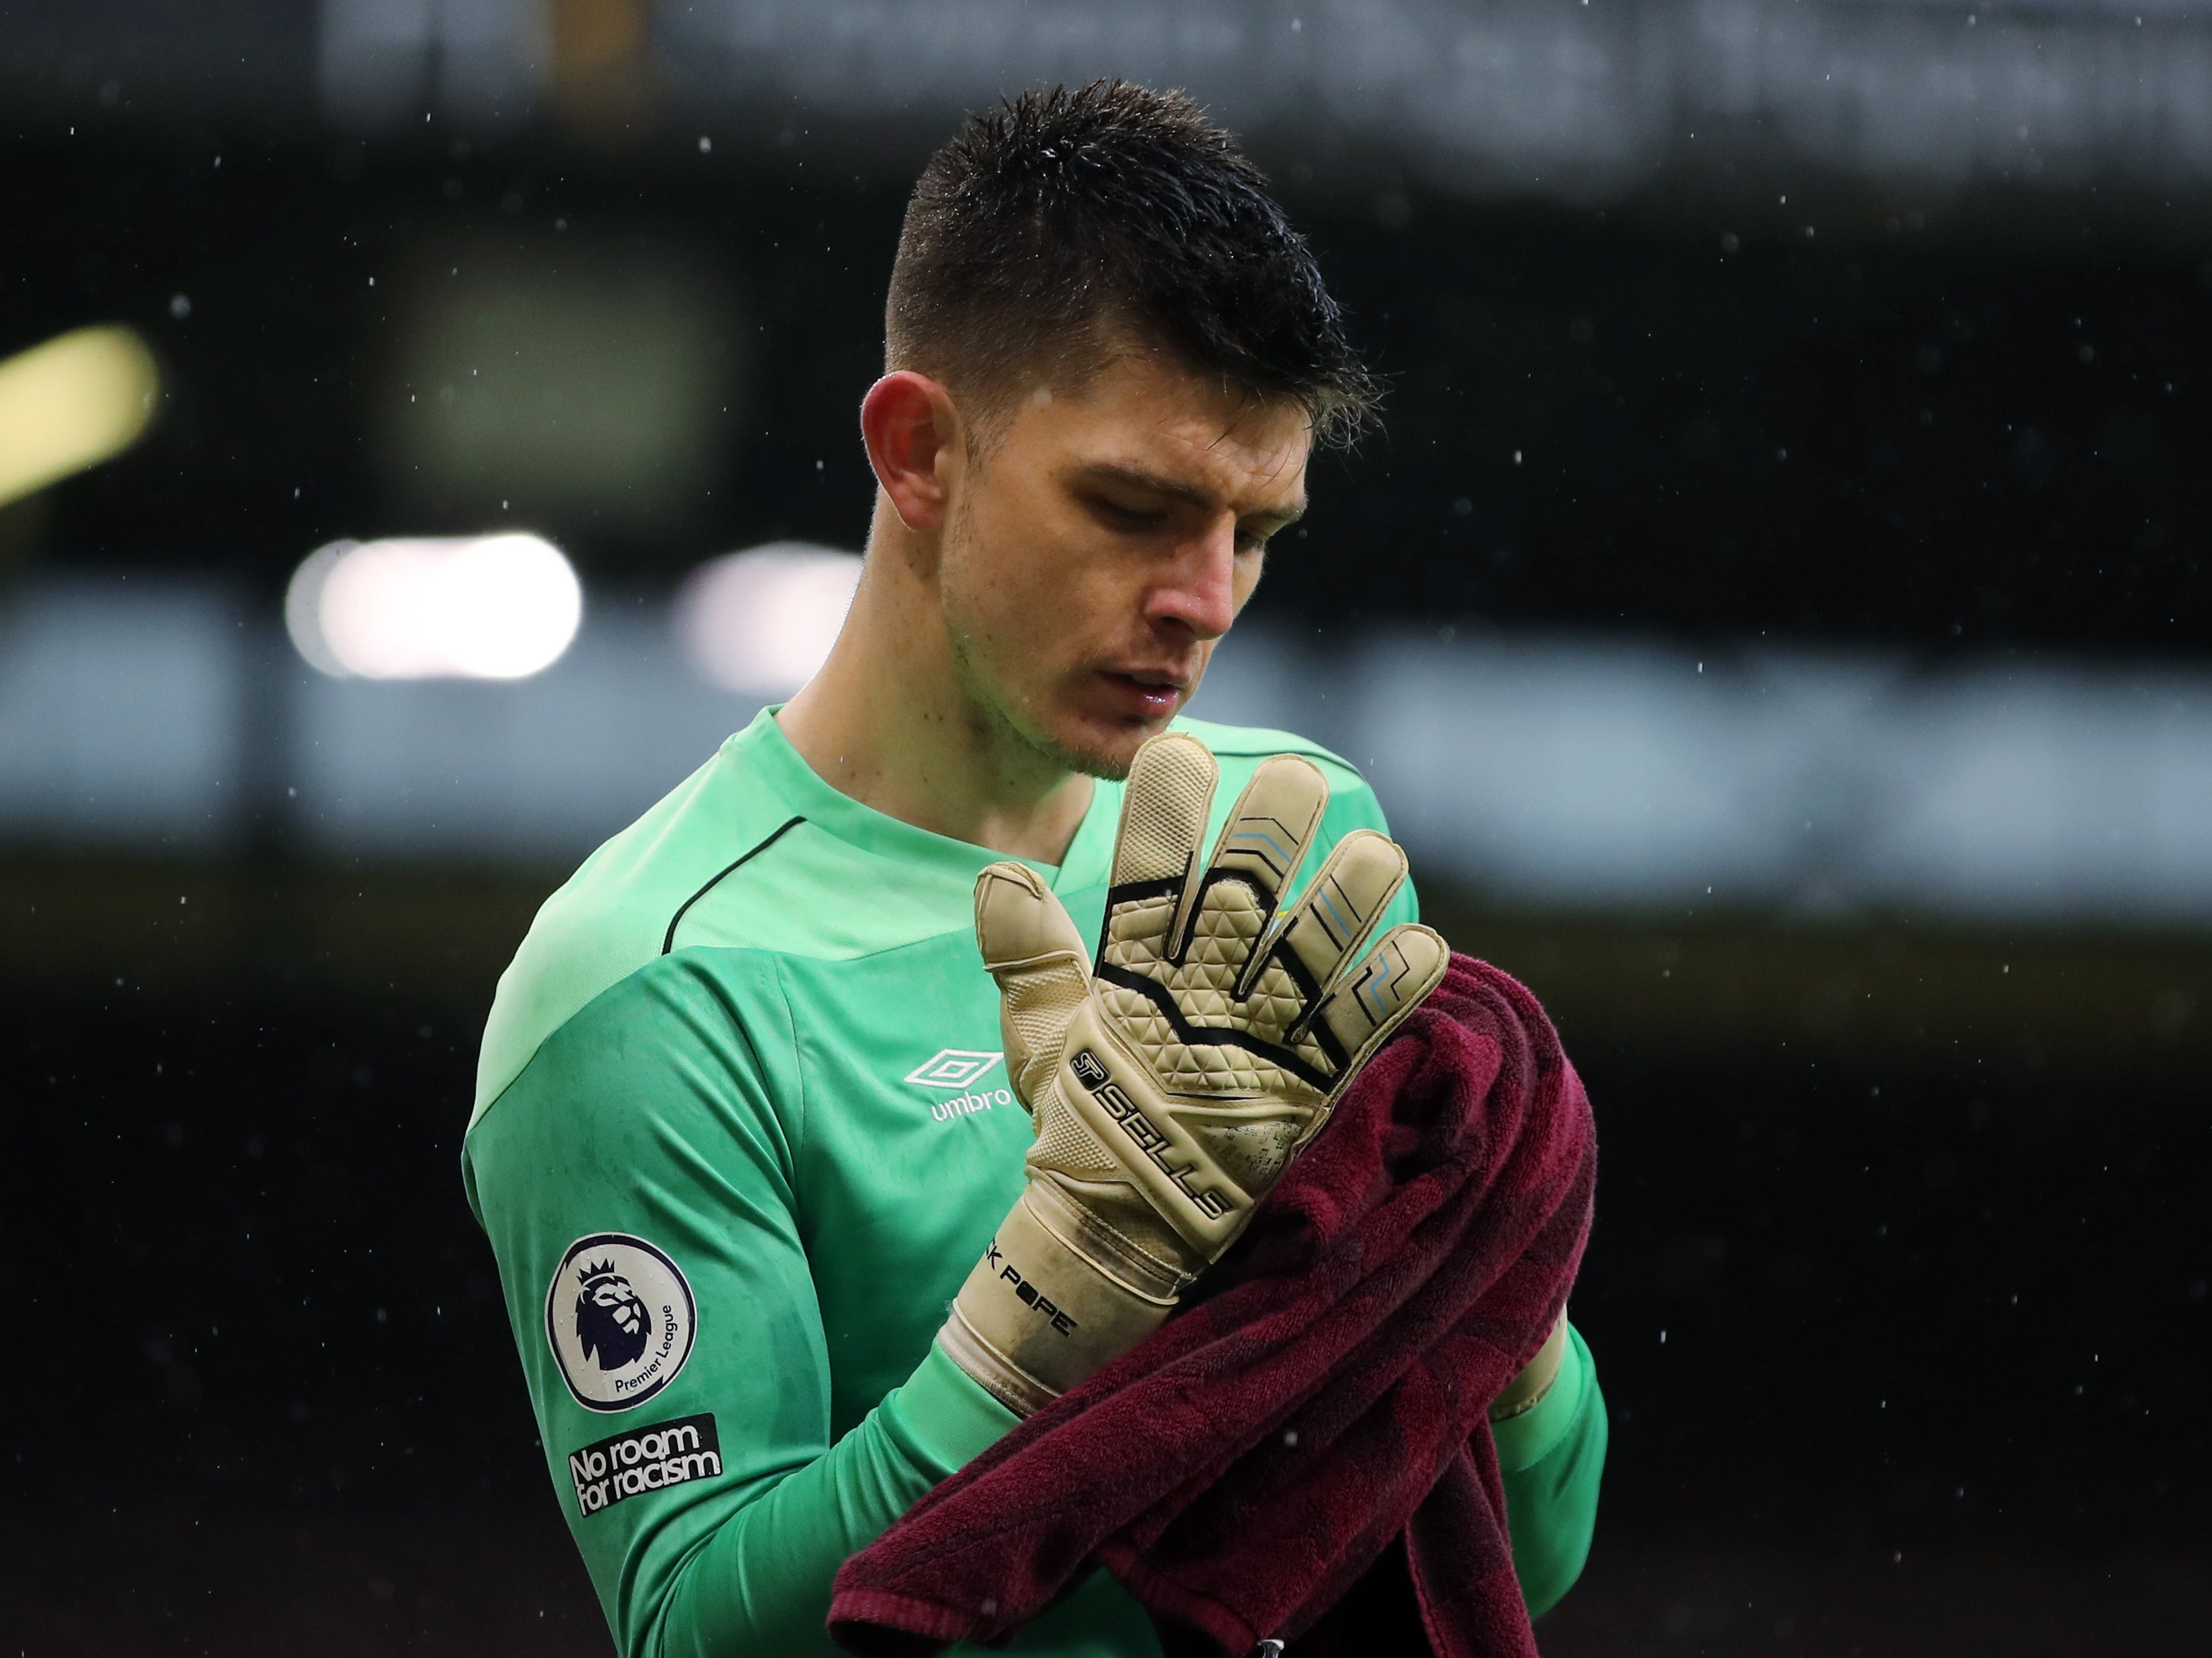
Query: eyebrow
x,y
1192,494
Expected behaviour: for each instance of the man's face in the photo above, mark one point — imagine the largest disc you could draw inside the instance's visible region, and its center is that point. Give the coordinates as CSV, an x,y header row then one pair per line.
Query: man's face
x,y
1091,561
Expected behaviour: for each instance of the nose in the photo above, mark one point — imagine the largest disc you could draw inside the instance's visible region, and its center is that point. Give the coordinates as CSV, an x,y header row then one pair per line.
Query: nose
x,y
1200,592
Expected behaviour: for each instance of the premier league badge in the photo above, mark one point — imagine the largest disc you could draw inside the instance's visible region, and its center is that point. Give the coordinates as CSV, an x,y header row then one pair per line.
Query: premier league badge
x,y
620,1319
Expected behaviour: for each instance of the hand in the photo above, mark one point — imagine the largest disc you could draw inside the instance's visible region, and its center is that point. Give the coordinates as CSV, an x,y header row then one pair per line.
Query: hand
x,y
1172,1080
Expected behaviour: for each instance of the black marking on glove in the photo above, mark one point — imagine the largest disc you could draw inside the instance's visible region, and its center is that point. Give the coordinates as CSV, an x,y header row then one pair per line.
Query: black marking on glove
x,y
1136,892
1205,1036
1028,1293
1144,1133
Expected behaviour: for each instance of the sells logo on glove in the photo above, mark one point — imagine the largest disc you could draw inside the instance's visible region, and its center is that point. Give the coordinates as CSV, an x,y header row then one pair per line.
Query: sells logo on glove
x,y
620,1319
1144,1133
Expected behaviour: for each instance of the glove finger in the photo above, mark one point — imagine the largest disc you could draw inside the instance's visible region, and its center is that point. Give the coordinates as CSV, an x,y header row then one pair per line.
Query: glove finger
x,y
1357,1017
1265,839
1261,846
1041,963
1341,906
1163,811
1019,920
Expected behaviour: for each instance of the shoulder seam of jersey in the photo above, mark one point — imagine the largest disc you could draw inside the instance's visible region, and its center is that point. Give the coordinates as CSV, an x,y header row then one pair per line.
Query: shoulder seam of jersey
x,y
775,967
776,958
668,939
798,1070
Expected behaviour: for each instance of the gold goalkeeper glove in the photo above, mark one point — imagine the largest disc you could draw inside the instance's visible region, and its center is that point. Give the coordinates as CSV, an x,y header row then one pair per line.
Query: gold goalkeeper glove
x,y
1172,1080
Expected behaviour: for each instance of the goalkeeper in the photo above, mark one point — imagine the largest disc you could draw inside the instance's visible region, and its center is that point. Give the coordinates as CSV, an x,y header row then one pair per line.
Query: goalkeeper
x,y
780,1246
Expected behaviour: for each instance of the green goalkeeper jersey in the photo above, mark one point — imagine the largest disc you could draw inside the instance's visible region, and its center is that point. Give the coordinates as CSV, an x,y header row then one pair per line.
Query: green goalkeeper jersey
x,y
742,1127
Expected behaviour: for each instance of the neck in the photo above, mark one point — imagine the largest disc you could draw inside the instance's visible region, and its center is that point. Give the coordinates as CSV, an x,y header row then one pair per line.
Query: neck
x,y
888,722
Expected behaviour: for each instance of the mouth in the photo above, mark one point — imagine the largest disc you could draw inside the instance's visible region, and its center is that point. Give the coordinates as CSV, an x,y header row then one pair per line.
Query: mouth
x,y
1146,693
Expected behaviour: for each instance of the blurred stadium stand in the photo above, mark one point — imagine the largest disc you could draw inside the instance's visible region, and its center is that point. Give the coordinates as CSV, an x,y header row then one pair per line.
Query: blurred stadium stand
x,y
1518,95
1793,487
1589,774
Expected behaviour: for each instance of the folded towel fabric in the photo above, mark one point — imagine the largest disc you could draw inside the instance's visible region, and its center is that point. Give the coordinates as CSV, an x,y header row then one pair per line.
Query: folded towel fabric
x,y
1304,1452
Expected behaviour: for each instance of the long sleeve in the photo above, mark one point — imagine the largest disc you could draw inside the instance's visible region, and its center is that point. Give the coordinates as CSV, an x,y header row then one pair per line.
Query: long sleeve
x,y
661,1123
761,1583
1552,1457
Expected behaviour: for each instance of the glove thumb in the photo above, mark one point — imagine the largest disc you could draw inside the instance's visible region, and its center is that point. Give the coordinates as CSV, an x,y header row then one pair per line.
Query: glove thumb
x,y
1041,965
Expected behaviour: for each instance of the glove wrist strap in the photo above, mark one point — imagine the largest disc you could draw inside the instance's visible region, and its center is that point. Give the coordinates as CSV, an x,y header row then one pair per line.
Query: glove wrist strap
x,y
1037,1315
1529,1389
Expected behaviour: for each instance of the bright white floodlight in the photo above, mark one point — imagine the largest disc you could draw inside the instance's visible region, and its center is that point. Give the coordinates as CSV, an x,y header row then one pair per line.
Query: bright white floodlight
x,y
463,607
761,622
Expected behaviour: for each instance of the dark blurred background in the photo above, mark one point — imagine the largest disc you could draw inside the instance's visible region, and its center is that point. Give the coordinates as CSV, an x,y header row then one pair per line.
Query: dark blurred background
x,y
1774,618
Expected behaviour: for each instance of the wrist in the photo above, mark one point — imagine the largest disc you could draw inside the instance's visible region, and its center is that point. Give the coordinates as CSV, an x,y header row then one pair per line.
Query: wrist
x,y
1527,1390
1038,1315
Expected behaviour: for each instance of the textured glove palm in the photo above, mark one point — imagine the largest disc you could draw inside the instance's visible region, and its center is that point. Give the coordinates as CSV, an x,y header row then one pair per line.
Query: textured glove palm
x,y
1172,1078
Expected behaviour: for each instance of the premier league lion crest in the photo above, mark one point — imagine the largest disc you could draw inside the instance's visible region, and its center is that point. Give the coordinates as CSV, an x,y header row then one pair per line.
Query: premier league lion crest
x,y
620,1319
610,1318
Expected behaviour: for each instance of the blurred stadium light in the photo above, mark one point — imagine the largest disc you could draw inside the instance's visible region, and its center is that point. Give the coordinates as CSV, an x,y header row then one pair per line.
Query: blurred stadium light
x,y
1562,771
761,622
473,607
537,770
71,403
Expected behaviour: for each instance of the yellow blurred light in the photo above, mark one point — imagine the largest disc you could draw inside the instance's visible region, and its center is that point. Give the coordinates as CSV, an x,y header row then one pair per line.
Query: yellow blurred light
x,y
71,403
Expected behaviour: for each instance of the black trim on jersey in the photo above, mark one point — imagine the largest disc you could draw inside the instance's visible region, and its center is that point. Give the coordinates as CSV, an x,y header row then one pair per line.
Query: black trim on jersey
x,y
668,943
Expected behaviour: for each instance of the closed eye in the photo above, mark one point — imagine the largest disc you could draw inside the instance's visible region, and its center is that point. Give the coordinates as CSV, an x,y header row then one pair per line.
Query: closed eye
x,y
1130,521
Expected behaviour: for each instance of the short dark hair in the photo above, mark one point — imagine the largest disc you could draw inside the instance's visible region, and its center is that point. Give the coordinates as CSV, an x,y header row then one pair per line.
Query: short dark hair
x,y
1045,226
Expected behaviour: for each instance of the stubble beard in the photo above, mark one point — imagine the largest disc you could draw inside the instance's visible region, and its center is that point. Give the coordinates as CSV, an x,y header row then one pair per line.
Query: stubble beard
x,y
993,722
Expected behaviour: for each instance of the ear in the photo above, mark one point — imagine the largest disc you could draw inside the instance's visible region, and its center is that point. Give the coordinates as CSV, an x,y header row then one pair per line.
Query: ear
x,y
913,434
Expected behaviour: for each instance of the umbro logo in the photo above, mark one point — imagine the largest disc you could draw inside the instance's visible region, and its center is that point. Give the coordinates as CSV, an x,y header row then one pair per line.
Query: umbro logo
x,y
951,1067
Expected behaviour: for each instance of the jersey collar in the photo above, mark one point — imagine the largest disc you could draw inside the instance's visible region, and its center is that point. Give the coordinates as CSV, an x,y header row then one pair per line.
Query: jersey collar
x,y
767,753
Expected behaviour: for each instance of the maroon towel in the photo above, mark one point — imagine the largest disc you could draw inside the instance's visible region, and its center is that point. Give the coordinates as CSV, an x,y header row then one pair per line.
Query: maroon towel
x,y
1327,1397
